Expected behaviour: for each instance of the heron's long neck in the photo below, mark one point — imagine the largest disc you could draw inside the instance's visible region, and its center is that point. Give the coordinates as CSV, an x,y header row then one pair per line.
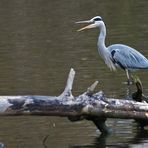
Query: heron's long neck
x,y
101,38
103,50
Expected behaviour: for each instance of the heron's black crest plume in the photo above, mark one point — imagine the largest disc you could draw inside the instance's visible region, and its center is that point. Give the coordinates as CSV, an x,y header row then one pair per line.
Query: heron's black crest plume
x,y
97,18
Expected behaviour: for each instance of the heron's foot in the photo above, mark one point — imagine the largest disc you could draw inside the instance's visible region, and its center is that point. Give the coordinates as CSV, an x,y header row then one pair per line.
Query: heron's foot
x,y
128,82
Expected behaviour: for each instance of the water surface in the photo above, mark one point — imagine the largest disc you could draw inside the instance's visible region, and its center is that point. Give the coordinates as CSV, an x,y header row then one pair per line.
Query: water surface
x,y
38,46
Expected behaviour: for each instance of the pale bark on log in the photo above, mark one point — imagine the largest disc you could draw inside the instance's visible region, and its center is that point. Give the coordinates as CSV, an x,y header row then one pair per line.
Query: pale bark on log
x,y
86,106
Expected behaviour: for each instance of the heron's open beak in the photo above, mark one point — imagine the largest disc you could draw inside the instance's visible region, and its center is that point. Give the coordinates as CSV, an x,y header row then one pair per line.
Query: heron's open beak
x,y
86,27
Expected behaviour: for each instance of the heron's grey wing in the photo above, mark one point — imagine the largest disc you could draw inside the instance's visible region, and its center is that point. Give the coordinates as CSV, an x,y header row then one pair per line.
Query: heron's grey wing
x,y
128,58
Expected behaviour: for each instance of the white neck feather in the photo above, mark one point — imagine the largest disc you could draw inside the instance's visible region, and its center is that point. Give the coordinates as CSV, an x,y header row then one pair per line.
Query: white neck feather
x,y
103,51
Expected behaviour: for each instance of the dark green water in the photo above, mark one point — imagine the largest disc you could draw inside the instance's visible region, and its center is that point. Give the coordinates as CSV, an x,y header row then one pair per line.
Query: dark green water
x,y
38,46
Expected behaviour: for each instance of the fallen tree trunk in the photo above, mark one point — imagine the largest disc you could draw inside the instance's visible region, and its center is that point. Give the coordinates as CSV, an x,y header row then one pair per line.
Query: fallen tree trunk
x,y
95,107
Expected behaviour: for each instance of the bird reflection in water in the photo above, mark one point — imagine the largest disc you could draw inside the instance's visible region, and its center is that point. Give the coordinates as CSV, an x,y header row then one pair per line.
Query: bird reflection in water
x,y
101,141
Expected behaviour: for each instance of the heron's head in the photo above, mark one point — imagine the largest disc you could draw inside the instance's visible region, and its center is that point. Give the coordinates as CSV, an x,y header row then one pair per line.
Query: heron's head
x,y
93,23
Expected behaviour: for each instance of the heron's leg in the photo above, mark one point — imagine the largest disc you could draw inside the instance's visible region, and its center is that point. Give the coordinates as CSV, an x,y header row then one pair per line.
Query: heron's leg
x,y
128,74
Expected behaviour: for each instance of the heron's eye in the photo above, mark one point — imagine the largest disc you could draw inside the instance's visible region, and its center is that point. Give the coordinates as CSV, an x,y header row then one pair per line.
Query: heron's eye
x,y
97,19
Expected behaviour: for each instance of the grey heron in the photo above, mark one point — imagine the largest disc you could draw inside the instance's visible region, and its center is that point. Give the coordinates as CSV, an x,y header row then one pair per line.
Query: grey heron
x,y
116,55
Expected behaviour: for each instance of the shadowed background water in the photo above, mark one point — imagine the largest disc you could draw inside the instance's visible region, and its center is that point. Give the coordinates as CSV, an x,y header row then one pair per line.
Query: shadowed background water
x,y
38,46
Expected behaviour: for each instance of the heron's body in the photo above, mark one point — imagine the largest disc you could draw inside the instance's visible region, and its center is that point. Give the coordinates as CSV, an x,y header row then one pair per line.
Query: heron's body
x,y
133,60
116,55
